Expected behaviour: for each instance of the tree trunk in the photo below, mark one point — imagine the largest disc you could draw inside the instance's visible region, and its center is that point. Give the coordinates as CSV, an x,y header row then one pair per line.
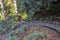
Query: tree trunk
x,y
15,5
2,6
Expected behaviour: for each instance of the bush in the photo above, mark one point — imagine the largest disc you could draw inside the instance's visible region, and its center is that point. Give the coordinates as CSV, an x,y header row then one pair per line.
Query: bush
x,y
31,6
7,26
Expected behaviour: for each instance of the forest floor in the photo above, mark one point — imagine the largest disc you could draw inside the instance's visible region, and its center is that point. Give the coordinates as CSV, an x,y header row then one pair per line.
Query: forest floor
x,y
51,34
53,29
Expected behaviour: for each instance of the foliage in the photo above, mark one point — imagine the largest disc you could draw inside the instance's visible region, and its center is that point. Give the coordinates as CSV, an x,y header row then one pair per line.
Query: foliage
x,y
24,27
2,17
34,5
26,8
12,38
6,4
13,35
31,6
7,26
9,8
23,16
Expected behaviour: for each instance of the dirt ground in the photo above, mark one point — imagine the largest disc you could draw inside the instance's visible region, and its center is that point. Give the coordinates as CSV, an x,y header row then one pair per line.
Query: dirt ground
x,y
52,35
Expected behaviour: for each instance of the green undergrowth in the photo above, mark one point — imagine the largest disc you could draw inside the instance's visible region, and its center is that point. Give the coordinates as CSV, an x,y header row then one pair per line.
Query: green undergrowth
x,y
7,26
14,35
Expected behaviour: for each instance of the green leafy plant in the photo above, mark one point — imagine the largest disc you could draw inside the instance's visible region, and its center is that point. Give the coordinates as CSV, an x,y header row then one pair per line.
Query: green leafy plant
x,y
9,9
13,34
12,38
4,27
24,28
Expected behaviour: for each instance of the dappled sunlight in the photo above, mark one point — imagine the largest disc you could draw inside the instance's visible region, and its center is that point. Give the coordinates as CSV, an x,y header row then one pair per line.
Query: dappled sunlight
x,y
2,17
